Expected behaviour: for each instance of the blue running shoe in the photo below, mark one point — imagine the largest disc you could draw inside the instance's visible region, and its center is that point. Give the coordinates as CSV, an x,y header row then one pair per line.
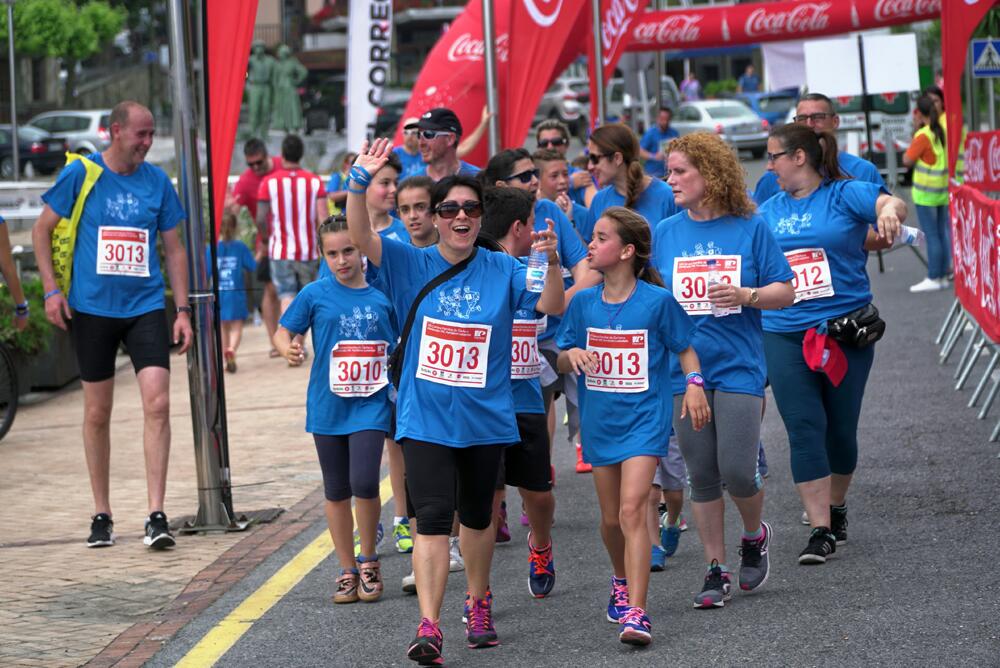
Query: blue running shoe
x,y
541,570
635,628
618,605
479,629
658,559
670,537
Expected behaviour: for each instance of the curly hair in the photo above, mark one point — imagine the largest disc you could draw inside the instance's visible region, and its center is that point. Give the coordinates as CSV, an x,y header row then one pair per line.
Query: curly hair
x,y
725,178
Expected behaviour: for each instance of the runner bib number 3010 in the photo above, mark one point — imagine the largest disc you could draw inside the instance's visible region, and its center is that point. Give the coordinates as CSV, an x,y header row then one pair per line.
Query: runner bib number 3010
x,y
622,360
453,353
812,273
358,368
524,361
691,281
123,251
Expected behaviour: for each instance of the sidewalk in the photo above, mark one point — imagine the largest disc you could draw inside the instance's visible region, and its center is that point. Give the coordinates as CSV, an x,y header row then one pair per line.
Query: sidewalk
x,y
61,603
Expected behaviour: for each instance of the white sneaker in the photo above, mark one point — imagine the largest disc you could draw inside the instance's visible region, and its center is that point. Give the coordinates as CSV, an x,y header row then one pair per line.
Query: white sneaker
x,y
457,563
410,583
928,285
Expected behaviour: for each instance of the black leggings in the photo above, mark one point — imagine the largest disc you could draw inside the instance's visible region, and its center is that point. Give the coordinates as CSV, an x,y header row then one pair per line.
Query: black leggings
x,y
350,464
440,478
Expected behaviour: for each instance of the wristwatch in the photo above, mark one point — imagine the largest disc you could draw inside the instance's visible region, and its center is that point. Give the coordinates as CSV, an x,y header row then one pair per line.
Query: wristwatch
x,y
184,309
754,296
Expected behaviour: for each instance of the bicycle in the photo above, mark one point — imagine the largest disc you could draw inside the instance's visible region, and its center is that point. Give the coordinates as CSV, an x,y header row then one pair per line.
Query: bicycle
x,y
8,390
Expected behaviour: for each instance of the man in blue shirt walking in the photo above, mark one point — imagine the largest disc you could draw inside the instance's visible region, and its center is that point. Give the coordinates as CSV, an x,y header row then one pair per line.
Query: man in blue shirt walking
x,y
653,145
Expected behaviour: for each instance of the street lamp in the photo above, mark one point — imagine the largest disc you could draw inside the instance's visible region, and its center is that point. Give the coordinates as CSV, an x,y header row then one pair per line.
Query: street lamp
x,y
13,90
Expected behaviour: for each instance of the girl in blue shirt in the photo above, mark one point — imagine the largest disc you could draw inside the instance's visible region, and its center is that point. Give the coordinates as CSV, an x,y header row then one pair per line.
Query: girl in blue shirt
x,y
718,226
233,259
821,222
347,406
615,162
619,337
455,409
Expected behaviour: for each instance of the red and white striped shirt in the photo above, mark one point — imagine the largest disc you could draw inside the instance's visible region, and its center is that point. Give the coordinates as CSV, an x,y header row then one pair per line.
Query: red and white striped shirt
x,y
292,195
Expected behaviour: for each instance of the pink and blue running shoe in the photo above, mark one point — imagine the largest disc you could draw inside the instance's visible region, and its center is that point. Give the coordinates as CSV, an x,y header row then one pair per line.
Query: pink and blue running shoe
x,y
635,628
479,629
618,605
541,570
427,646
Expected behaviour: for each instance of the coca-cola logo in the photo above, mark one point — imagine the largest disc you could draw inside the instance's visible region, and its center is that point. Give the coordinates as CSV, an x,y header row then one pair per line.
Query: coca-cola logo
x,y
886,10
543,17
617,18
677,29
975,165
804,17
994,158
470,49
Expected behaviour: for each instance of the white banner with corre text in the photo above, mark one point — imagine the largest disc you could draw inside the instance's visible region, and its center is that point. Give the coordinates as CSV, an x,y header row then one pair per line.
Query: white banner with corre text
x,y
368,50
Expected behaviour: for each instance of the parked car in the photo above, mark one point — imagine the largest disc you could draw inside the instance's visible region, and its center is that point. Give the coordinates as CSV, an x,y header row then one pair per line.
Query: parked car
x,y
390,110
621,107
84,131
732,120
567,99
772,107
40,152
323,101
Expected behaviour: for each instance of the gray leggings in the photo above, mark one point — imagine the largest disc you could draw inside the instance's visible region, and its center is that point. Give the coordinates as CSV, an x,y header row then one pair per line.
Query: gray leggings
x,y
350,464
725,450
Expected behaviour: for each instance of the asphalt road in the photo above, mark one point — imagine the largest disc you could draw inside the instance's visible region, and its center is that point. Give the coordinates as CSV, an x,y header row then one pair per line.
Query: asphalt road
x,y
914,586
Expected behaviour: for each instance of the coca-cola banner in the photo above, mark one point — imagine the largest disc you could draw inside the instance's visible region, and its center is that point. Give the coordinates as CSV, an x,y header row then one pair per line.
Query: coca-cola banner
x,y
975,237
617,19
982,160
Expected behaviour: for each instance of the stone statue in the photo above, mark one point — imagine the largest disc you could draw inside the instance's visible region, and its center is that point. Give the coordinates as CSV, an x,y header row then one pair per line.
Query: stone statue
x,y
260,78
289,73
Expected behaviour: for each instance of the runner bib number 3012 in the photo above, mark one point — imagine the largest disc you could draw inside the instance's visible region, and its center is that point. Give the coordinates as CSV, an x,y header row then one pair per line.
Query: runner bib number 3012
x,y
123,251
453,353
524,361
358,368
812,273
622,360
691,281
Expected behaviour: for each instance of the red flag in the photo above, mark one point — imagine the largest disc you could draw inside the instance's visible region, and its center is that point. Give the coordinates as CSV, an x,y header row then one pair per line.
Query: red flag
x,y
617,17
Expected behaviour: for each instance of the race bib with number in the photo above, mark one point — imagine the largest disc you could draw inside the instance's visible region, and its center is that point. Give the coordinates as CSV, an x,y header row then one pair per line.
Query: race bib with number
x,y
123,251
453,353
690,286
524,361
622,360
812,278
358,368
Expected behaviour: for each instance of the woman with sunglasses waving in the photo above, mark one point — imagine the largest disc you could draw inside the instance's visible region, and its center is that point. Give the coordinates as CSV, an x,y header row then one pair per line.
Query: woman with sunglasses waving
x,y
616,165
455,409
718,230
819,351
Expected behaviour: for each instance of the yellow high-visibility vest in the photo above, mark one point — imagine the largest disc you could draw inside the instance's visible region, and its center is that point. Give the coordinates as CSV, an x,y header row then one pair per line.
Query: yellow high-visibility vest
x,y
64,235
930,182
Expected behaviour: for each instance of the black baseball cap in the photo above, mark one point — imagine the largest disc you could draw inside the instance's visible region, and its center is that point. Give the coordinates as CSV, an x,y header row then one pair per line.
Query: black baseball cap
x,y
441,119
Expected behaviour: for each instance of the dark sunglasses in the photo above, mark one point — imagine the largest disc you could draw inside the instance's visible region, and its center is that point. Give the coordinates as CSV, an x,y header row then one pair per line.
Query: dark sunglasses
x,y
433,134
256,163
595,158
524,177
771,157
450,209
546,143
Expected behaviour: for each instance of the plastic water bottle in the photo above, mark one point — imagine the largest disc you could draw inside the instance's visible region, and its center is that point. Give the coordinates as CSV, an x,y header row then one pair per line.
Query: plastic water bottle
x,y
538,268
714,278
910,236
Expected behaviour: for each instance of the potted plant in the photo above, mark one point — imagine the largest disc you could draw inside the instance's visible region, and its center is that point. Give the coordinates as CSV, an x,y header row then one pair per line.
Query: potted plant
x,y
43,354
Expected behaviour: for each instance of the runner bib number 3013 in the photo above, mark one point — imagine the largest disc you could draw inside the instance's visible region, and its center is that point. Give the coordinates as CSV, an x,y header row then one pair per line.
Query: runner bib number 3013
x,y
622,360
123,251
812,273
524,361
691,281
358,368
453,353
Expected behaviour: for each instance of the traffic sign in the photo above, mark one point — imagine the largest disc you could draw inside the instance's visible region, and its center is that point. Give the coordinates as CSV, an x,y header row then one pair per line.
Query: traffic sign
x,y
986,57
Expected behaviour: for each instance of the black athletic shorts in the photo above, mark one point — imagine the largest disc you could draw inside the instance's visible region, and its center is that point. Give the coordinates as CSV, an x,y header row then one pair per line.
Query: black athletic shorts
x,y
96,339
528,464
264,270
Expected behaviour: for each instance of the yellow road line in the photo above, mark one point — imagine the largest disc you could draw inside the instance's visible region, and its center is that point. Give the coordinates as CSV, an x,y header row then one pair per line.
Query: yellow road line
x,y
231,628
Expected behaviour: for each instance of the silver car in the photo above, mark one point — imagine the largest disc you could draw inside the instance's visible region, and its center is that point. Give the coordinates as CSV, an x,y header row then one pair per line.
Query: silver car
x,y
734,121
84,131
568,99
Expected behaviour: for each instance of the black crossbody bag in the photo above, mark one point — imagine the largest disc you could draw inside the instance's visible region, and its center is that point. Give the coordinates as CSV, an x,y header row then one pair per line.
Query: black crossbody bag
x,y
859,328
396,358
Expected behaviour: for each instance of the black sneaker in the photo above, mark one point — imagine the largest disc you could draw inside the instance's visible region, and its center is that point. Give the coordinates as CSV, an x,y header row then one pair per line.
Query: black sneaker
x,y
158,536
838,523
754,562
821,545
101,531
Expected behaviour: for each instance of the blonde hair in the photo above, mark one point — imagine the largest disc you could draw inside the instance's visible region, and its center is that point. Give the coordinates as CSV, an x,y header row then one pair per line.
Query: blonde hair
x,y
634,230
724,176
618,138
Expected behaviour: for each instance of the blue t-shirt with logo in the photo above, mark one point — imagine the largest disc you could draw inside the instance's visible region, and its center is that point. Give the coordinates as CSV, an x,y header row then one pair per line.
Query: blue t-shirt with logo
x,y
853,166
337,313
652,142
731,348
413,164
835,217
654,204
145,202
571,250
482,299
616,425
233,258
464,168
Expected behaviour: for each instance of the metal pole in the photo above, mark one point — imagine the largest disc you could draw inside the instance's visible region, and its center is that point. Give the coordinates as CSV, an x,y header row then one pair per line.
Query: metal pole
x,y
492,100
595,10
15,147
660,70
991,103
215,509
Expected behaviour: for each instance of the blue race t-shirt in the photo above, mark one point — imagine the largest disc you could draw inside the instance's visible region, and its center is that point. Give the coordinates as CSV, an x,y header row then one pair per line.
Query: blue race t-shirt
x,y
653,141
233,258
835,217
336,183
124,280
413,164
731,348
853,166
571,250
654,204
337,313
617,425
464,168
462,395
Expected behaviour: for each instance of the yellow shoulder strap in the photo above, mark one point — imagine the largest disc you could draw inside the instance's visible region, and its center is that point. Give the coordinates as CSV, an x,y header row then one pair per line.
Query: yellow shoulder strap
x,y
64,235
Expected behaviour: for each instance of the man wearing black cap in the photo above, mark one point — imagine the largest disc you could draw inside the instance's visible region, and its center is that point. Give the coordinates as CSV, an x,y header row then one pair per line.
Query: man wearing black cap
x,y
440,133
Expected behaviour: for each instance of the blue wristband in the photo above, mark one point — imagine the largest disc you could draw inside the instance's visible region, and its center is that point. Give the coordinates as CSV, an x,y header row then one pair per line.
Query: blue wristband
x,y
51,293
360,176
695,378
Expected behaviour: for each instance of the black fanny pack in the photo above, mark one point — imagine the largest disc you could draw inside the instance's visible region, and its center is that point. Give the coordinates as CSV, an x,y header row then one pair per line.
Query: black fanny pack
x,y
859,328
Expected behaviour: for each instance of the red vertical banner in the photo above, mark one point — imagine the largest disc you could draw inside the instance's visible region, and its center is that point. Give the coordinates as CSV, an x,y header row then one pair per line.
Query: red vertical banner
x,y
975,232
617,17
228,34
